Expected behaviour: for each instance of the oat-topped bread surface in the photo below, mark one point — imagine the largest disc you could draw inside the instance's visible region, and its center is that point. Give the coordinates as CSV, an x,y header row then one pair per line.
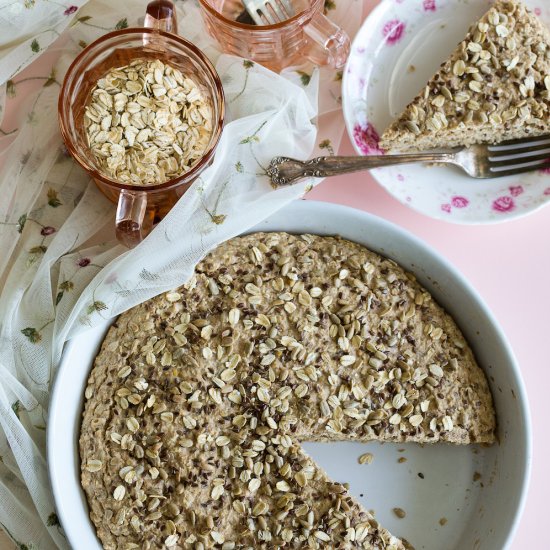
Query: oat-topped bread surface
x,y
199,399
494,87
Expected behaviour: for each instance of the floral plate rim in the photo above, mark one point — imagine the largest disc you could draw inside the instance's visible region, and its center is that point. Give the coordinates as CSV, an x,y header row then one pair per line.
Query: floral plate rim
x,y
364,137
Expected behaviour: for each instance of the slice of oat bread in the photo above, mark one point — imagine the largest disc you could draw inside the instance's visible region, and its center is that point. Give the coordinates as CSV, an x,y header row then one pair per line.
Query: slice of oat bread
x,y
199,398
494,87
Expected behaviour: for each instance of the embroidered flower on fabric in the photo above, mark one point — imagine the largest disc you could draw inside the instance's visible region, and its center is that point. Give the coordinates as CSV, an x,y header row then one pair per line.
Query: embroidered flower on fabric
x,y
47,230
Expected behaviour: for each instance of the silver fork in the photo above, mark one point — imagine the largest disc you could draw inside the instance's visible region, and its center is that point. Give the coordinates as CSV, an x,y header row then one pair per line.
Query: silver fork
x,y
478,161
269,12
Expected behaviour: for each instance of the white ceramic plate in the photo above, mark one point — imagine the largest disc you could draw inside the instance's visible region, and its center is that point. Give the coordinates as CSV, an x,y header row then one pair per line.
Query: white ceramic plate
x,y
481,513
397,50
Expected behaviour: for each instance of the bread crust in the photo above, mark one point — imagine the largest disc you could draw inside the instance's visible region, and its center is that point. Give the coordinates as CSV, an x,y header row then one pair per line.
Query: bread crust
x,y
200,391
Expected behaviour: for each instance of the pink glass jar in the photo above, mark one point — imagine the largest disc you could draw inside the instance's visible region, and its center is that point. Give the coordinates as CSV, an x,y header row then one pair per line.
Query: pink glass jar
x,y
307,35
139,207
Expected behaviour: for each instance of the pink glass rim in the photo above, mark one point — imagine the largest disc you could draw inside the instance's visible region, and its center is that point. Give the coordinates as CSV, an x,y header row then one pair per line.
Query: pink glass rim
x,y
217,124
261,28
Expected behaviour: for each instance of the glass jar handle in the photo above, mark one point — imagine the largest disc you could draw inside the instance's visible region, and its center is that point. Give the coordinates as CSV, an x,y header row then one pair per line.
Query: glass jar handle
x,y
161,16
330,44
133,221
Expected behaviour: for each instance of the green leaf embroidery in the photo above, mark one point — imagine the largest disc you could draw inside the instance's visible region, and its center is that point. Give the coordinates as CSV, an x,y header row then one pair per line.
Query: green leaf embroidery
x,y
216,218
247,65
122,24
21,223
41,249
330,5
29,4
32,334
249,139
51,79
338,76
35,46
52,520
16,408
53,200
147,275
239,167
125,292
10,88
82,43
255,138
66,285
84,18
96,306
304,78
326,144
58,297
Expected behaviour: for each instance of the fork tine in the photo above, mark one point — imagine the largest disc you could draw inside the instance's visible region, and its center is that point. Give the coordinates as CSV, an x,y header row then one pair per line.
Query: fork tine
x,y
288,8
260,20
266,16
279,13
523,151
254,12
516,171
520,160
498,146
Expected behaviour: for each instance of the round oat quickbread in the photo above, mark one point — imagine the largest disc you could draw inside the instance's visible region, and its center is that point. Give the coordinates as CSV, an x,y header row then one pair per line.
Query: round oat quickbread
x,y
199,398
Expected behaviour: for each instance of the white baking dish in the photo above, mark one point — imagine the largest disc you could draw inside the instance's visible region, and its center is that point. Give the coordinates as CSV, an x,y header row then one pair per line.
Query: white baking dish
x,y
478,491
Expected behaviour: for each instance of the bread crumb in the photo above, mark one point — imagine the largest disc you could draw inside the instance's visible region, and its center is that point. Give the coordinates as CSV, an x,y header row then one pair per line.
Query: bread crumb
x,y
399,512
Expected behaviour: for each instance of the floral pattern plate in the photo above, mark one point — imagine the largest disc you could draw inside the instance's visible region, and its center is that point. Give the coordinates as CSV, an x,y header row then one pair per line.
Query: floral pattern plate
x,y
397,50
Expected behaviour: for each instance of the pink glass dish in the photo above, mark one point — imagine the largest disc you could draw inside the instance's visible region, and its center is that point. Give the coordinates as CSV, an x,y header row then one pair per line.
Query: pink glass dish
x,y
307,35
139,207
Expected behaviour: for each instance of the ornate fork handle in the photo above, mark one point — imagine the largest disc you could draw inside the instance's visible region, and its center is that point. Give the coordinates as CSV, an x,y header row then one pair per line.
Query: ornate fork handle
x,y
285,171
